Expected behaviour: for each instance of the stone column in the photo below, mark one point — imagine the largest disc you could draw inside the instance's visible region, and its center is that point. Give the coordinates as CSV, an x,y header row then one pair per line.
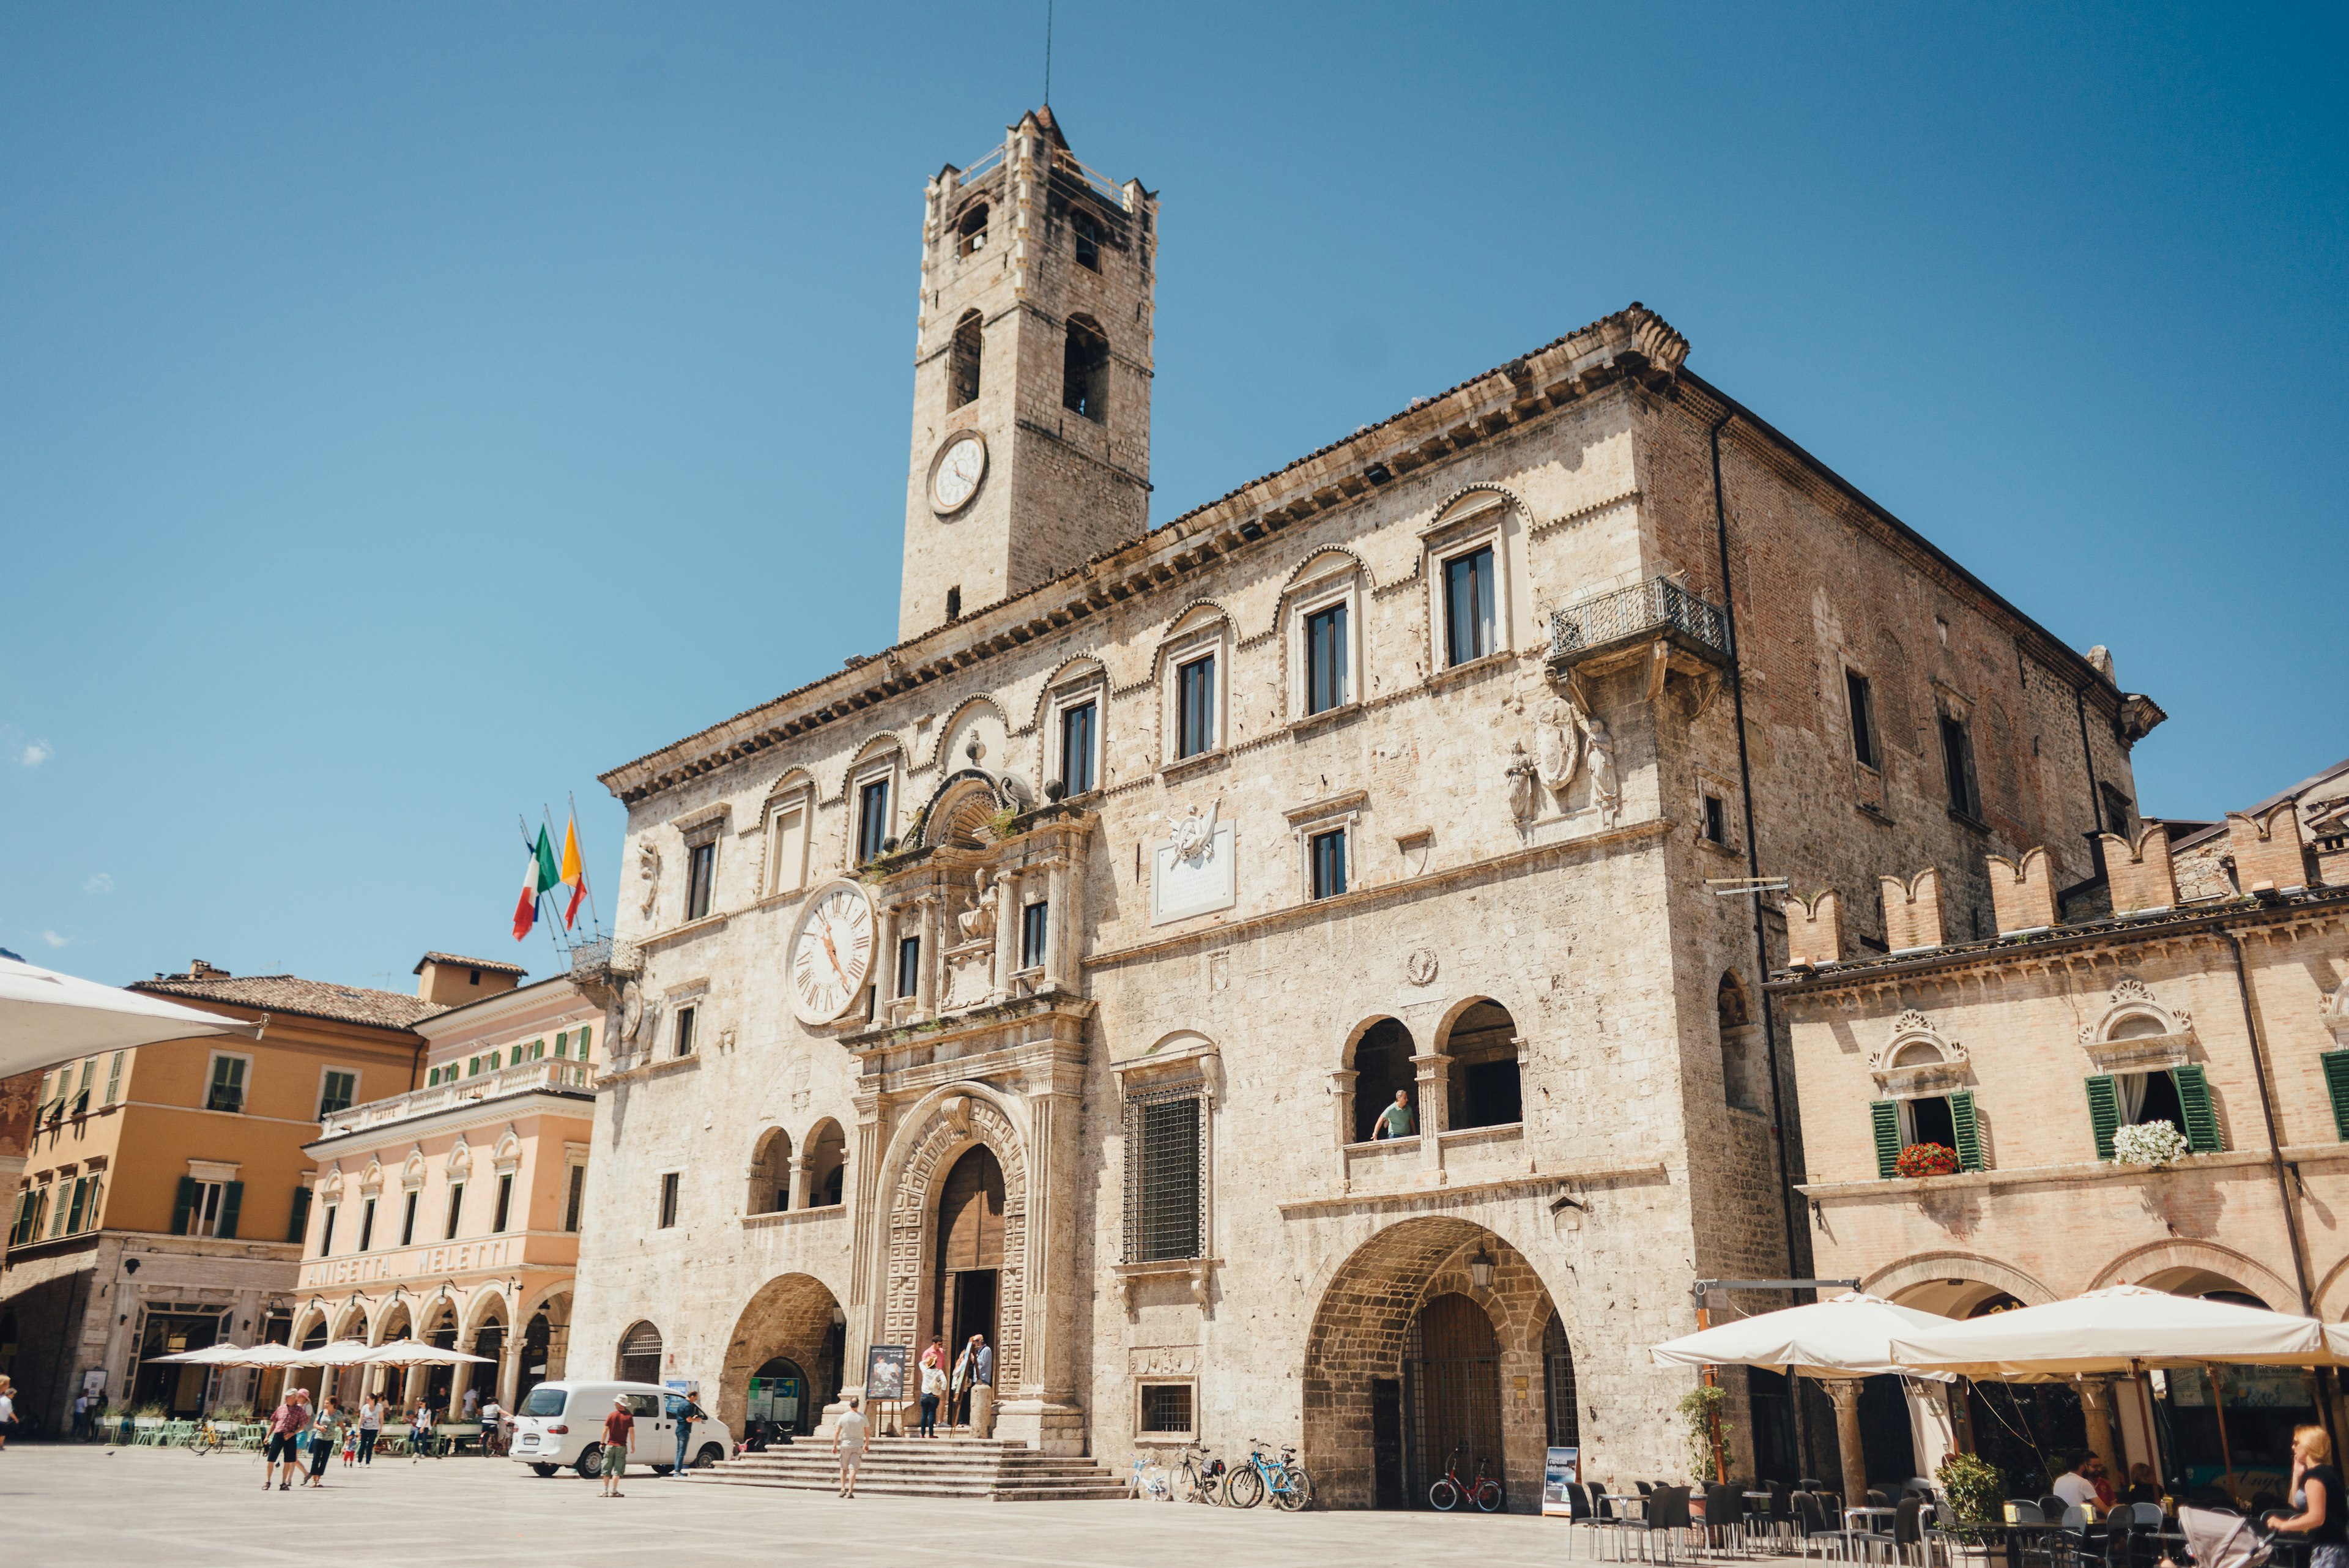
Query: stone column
x,y
1042,1408
798,1195
928,925
869,1257
1006,932
1844,1392
1056,917
884,963
1341,1102
510,1352
1434,1106
2095,1404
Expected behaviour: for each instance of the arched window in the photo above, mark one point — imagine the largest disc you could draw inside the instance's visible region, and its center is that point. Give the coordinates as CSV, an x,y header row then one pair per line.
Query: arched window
x,y
827,1158
1482,1046
1086,230
1382,1069
1557,1382
1735,1021
771,1174
640,1355
962,361
971,232
1084,370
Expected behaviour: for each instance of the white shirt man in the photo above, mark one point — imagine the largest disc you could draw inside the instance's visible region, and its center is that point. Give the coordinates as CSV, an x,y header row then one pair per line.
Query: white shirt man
x,y
2077,1490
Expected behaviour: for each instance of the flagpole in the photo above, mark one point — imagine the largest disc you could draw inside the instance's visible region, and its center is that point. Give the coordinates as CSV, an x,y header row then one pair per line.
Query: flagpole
x,y
538,899
554,911
594,913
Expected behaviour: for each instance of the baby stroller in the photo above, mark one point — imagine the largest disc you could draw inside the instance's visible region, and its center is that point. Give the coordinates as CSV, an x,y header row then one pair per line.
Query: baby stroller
x,y
2219,1540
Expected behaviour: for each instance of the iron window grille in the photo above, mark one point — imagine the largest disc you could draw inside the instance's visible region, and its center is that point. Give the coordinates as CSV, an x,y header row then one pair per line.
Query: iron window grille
x,y
1166,1175
1166,1407
1655,605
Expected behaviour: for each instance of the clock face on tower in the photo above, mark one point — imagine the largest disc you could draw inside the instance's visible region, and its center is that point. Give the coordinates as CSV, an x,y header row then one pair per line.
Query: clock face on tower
x,y
954,477
830,952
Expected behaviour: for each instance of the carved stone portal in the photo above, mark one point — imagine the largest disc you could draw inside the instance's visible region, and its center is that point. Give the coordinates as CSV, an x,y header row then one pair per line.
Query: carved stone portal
x,y
913,1216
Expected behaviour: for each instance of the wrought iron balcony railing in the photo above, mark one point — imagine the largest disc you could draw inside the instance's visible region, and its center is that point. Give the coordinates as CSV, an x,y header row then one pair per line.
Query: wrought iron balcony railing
x,y
1658,606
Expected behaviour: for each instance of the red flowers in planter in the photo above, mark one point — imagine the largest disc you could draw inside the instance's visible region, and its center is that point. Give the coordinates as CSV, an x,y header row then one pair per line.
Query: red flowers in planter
x,y
1927,1160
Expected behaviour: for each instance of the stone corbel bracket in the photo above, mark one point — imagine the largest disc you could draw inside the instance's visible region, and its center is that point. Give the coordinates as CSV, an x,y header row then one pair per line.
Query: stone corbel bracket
x,y
1197,1270
1916,1060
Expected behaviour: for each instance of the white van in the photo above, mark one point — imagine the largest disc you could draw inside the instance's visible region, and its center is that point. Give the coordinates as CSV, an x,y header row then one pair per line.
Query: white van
x,y
561,1425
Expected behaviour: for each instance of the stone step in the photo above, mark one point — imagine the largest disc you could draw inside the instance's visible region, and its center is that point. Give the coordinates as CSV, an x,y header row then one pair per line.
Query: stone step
x,y
968,1467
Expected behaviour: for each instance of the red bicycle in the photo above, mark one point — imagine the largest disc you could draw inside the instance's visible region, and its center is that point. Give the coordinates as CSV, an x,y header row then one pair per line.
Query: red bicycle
x,y
1449,1490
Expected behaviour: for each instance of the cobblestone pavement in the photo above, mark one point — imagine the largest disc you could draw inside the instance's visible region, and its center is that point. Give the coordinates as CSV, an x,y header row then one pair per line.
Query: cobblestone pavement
x,y
170,1509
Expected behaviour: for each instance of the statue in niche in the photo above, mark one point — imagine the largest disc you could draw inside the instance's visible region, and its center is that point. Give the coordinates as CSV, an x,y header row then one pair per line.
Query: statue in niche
x,y
1194,836
977,922
1523,775
1557,744
648,870
1605,789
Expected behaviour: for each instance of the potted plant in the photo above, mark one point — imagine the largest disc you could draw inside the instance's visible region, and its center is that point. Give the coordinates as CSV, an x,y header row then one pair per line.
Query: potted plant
x,y
1927,1160
2149,1142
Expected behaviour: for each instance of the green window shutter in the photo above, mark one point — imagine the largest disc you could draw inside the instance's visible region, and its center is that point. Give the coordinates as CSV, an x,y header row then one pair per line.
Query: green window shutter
x,y
2336,1083
583,1035
232,1199
2104,1113
1885,1116
2201,1127
298,1227
183,1206
1962,1115
80,1196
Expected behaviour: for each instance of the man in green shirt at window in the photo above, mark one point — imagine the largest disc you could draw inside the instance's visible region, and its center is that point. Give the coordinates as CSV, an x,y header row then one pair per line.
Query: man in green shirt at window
x,y
1395,1120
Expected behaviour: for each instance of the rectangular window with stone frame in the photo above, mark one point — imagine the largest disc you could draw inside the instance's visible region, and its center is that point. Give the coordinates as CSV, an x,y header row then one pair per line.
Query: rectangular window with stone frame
x,y
1166,1175
700,878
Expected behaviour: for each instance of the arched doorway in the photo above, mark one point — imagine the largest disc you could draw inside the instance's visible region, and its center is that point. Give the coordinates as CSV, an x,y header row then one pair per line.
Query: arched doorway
x,y
537,1336
1396,1369
639,1360
964,1283
1450,1392
785,1361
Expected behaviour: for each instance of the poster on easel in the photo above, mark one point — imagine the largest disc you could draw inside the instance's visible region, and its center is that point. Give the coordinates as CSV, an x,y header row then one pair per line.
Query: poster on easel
x,y
1560,1470
885,1373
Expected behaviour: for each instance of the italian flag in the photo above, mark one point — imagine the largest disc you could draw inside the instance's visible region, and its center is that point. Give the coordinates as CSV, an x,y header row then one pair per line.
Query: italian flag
x,y
575,873
538,875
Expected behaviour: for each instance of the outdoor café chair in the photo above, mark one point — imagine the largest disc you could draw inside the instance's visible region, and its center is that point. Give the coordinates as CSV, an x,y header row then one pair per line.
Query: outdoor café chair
x,y
1724,1519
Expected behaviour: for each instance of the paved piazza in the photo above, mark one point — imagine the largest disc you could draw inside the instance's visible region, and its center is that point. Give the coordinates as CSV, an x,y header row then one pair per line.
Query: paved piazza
x,y
72,1505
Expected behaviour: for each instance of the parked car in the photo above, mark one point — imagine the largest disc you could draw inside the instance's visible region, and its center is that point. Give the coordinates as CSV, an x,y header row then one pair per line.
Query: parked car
x,y
561,1426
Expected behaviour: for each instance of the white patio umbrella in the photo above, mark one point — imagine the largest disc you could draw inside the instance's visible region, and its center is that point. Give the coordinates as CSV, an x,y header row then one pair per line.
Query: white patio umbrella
x,y
2125,1329
339,1353
226,1354
1845,1337
46,1018
416,1352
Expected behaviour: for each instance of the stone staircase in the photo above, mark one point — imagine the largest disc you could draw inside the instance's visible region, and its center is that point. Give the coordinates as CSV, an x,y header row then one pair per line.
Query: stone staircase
x,y
986,1469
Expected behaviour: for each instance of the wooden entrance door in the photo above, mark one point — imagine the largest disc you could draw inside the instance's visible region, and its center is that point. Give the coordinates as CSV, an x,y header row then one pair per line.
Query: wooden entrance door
x,y
1453,1388
963,1294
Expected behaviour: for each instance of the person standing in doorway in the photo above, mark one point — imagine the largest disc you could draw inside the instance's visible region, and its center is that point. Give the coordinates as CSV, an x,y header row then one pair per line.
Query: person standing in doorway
x,y
934,1385
370,1427
1396,1121
618,1427
848,1446
686,1413
291,1416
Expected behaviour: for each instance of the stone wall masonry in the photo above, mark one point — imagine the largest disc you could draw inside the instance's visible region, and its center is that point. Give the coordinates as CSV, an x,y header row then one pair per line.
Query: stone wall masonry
x,y
2267,849
2022,892
2138,872
1912,910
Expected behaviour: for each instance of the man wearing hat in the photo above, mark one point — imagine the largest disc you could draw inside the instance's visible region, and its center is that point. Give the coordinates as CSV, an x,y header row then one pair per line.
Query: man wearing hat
x,y
617,1428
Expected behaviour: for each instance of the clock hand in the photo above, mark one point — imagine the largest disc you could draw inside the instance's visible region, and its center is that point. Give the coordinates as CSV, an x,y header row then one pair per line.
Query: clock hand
x,y
823,929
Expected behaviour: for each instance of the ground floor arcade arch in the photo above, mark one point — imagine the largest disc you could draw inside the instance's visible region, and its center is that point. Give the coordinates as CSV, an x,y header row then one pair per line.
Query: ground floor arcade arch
x,y
1434,1332
793,1320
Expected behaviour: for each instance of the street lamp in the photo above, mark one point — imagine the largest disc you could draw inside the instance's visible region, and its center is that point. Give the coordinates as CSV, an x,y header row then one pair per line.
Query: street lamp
x,y
1480,1268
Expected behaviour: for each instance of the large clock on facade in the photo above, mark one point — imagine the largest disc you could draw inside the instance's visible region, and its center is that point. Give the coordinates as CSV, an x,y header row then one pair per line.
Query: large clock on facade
x,y
830,952
955,472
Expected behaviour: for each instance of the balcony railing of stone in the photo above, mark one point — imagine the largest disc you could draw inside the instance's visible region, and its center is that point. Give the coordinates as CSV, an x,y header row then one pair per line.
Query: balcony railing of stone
x,y
1658,607
522,1080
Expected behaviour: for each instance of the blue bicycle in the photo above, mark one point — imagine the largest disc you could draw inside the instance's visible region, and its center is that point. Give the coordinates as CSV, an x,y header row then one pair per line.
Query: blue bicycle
x,y
1285,1479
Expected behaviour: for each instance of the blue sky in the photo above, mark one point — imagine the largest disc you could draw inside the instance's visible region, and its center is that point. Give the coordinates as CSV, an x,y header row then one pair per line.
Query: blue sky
x,y
407,412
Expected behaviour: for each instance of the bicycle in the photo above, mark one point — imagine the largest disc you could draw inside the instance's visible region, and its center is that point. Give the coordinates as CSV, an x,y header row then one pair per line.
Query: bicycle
x,y
1148,1481
1198,1478
1449,1490
207,1439
1285,1480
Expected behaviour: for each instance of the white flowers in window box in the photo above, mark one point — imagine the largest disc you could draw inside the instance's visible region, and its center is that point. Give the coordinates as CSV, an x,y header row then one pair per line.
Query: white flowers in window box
x,y
2148,1143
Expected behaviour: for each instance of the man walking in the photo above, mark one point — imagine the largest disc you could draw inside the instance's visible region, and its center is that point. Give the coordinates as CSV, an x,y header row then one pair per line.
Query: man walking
x,y
291,1418
686,1413
617,1427
848,1446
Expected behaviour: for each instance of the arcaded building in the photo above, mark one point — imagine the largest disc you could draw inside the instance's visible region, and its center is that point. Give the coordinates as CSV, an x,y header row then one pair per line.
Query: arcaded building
x,y
1045,973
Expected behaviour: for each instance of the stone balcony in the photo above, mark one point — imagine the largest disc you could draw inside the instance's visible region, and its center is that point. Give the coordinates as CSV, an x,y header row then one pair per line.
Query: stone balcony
x,y
570,1079
1658,617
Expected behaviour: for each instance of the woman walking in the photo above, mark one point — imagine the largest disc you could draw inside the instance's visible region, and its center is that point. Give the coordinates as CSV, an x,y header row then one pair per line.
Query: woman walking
x,y
370,1427
325,1436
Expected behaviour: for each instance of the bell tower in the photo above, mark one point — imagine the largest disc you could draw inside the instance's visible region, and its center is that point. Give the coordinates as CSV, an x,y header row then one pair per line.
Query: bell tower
x,y
1031,375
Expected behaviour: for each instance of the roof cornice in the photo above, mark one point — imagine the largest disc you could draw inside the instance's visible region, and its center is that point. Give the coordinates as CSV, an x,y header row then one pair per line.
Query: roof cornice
x,y
1632,344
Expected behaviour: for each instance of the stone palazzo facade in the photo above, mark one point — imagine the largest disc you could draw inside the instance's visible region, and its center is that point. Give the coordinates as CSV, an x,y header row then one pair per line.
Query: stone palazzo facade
x,y
1044,975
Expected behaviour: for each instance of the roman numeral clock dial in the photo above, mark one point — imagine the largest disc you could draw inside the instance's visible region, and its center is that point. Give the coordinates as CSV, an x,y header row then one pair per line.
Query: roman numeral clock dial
x,y
830,952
